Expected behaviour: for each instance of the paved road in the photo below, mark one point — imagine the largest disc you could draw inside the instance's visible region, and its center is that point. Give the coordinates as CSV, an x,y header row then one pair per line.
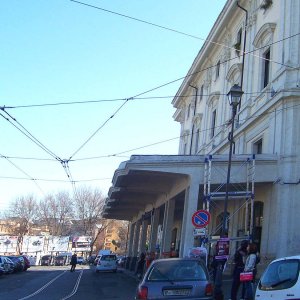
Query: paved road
x,y
58,283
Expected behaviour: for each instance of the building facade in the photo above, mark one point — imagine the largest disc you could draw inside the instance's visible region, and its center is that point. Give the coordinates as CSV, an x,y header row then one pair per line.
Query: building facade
x,y
255,45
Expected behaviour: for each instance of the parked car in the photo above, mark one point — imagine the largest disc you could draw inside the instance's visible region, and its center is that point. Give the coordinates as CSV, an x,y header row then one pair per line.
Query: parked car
x,y
18,263
62,259
6,264
176,278
107,263
81,260
91,259
46,260
26,262
121,261
280,280
96,260
1,271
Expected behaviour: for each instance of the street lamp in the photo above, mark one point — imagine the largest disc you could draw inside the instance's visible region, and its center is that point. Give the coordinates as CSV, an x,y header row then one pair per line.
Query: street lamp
x,y
234,98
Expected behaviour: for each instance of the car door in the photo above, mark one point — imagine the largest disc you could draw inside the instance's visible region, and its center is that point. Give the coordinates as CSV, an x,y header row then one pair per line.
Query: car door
x,y
280,281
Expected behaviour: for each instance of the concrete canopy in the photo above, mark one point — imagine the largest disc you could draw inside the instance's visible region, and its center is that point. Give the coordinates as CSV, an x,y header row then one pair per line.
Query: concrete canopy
x,y
140,183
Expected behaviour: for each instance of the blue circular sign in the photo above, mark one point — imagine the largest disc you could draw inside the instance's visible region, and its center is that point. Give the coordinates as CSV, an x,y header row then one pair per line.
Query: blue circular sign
x,y
201,218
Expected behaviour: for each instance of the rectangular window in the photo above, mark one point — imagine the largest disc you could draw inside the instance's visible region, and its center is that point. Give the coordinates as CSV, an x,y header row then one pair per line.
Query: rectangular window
x,y
188,112
213,123
218,69
266,70
258,147
201,92
184,148
197,140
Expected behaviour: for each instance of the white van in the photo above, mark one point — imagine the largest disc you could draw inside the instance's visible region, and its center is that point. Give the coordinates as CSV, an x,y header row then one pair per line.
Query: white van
x,y
280,280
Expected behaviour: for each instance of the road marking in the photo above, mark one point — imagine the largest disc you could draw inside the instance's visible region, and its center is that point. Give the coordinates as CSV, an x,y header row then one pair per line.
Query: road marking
x,y
43,287
75,287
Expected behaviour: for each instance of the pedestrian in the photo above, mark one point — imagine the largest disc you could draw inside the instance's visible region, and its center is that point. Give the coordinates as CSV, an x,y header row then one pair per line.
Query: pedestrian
x,y
73,262
140,265
239,265
250,266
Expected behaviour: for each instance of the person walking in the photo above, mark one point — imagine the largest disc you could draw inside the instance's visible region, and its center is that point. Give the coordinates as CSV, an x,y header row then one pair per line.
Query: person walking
x,y
140,265
250,267
239,265
73,262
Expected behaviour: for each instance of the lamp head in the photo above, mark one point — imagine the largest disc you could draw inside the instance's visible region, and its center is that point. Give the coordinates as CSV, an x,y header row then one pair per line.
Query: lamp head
x,y
235,95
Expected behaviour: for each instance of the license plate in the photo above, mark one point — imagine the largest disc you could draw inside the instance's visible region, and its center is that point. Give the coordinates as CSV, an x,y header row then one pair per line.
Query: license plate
x,y
177,292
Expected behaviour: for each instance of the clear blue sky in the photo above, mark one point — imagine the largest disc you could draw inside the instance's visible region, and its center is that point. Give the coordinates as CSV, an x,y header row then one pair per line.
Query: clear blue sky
x,y
61,51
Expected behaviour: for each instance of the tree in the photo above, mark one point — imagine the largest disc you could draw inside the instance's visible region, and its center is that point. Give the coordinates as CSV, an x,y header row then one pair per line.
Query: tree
x,y
56,211
89,205
23,211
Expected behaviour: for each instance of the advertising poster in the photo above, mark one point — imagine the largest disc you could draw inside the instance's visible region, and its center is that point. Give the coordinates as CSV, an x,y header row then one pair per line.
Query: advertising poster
x,y
33,244
222,248
58,244
8,244
81,243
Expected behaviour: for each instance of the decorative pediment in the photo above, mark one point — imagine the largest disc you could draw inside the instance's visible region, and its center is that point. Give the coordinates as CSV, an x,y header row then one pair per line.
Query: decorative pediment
x,y
213,97
265,35
234,72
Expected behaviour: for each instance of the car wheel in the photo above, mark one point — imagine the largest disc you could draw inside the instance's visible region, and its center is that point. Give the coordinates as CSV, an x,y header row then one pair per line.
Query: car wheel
x,y
97,271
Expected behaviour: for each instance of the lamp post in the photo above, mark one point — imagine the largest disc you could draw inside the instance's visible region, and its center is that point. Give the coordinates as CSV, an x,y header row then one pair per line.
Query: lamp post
x,y
234,97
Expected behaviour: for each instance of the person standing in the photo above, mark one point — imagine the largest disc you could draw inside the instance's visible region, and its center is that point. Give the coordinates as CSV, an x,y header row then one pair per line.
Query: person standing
x,y
140,265
73,262
250,267
239,265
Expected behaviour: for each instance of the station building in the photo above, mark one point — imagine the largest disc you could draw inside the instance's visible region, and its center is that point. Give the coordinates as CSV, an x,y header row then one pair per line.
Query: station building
x,y
253,44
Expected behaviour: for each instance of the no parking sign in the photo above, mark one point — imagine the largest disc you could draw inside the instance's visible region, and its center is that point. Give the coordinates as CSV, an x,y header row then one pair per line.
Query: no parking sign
x,y
201,218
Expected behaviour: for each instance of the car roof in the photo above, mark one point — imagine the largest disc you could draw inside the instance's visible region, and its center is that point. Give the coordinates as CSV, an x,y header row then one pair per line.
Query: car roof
x,y
176,259
286,258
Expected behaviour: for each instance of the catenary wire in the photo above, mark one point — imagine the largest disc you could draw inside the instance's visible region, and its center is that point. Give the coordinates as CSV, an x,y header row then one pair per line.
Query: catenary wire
x,y
105,156
29,135
137,97
25,173
118,99
163,141
163,27
140,94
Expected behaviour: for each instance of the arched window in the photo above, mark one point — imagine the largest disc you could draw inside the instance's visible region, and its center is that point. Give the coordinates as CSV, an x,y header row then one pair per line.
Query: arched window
x,y
263,40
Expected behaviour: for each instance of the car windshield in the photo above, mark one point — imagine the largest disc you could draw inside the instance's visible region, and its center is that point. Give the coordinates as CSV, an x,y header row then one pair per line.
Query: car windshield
x,y
108,257
46,257
282,274
177,270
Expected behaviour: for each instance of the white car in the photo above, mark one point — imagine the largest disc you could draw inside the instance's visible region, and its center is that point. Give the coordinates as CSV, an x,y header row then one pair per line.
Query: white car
x,y
107,263
81,260
280,280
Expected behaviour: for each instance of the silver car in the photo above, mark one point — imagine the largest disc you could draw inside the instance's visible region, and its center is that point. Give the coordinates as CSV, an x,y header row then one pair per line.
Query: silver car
x,y
176,278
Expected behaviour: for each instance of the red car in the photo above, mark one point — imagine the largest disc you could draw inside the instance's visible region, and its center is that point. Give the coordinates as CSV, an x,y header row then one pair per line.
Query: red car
x,y
26,262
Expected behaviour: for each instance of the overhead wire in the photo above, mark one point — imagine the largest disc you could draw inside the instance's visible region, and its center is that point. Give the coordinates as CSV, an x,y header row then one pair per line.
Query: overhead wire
x,y
119,154
69,175
126,100
24,131
25,173
120,99
145,92
161,27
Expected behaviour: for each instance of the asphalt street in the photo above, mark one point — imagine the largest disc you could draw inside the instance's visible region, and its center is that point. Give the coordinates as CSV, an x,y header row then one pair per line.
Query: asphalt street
x,y
58,283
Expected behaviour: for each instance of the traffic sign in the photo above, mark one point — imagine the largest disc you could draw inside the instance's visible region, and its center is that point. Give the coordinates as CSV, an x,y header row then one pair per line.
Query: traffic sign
x,y
199,231
201,218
